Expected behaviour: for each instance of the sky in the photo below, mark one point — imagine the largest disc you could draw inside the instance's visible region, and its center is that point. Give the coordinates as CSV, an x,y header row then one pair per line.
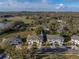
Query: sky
x,y
39,5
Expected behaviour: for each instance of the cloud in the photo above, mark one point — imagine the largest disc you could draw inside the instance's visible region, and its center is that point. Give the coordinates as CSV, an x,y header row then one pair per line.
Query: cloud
x,y
15,5
1,3
60,6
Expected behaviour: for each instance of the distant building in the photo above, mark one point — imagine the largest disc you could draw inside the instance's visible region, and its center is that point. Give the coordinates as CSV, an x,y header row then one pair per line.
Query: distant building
x,y
61,26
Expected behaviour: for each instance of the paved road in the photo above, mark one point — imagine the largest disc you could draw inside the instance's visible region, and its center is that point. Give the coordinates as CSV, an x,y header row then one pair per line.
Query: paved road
x,y
61,51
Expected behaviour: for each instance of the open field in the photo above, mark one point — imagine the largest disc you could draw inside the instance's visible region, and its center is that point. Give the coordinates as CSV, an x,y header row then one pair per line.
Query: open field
x,y
18,19
72,57
56,56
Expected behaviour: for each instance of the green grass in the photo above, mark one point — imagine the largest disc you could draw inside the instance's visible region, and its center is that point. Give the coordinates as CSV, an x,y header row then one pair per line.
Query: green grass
x,y
21,19
72,57
55,56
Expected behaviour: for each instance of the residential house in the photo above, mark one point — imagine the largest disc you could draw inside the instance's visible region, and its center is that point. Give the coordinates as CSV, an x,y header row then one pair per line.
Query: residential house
x,y
34,39
15,40
55,39
52,39
5,26
9,26
75,41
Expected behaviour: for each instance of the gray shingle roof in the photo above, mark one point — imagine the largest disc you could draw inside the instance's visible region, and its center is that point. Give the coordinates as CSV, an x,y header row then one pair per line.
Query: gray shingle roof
x,y
55,37
5,25
75,37
49,37
34,37
14,40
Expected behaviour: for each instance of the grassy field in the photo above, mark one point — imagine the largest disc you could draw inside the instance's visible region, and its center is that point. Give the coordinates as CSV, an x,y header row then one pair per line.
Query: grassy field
x,y
18,18
72,57
54,56
21,19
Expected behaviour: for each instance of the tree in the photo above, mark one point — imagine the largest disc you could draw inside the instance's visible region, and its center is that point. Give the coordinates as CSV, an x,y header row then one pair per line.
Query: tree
x,y
53,28
4,20
38,30
47,44
24,40
66,37
66,34
57,45
33,50
1,50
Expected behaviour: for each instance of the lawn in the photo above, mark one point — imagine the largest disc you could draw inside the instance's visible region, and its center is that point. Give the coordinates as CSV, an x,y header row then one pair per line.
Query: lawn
x,y
72,57
57,56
